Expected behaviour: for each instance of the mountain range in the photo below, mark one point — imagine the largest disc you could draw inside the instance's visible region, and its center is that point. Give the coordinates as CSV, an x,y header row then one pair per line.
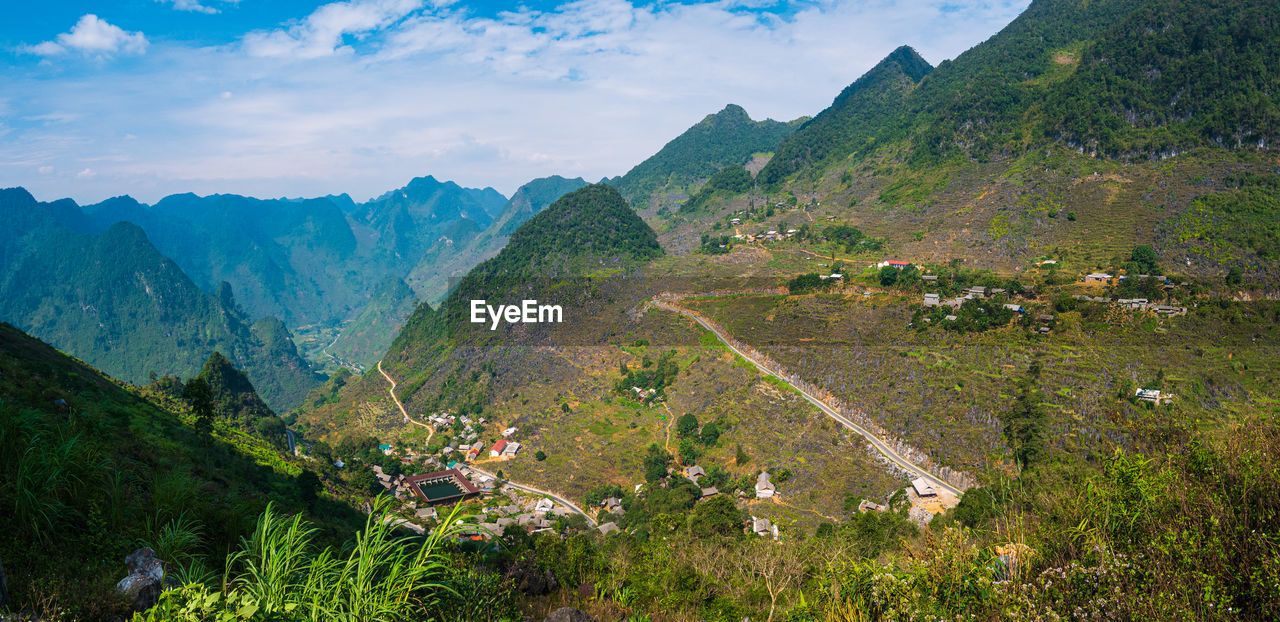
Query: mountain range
x,y
991,339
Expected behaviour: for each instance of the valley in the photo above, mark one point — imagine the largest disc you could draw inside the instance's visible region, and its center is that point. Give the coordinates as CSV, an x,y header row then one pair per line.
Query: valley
x,y
992,339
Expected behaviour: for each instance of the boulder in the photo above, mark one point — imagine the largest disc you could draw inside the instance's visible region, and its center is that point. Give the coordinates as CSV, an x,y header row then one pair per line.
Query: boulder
x,y
569,614
145,581
532,580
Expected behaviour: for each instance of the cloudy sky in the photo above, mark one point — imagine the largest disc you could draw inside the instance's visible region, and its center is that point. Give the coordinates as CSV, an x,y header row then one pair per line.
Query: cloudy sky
x,y
287,98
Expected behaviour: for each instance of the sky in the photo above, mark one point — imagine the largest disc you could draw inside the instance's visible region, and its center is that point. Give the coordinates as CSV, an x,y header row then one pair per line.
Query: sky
x,y
276,98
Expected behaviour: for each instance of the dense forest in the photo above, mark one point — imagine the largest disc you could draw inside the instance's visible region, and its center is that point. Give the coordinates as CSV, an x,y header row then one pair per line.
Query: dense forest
x,y
1131,78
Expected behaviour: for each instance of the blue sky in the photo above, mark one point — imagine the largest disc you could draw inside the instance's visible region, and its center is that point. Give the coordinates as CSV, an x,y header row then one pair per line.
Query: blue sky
x,y
285,98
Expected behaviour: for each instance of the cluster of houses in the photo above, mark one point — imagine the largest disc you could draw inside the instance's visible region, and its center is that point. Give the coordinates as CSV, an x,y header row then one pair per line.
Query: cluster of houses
x,y
977,291
1137,304
504,449
1103,277
531,515
768,236
695,473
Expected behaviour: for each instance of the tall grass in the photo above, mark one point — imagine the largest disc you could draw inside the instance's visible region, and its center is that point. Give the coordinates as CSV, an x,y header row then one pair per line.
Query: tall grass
x,y
279,573
42,468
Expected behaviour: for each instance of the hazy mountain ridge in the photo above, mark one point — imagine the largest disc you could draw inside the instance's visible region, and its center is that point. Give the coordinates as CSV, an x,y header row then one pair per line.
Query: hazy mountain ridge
x,y
450,259
118,303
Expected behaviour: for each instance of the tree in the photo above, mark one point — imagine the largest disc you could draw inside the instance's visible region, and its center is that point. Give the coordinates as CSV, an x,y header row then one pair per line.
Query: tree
x,y
1144,259
364,480
655,463
688,451
741,457
1235,276
271,429
199,395
717,516
309,487
976,507
779,567
540,455
687,425
888,276
805,283
710,434
1025,428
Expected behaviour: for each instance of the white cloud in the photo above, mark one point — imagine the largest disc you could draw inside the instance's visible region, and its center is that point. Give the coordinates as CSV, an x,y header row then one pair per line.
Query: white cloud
x,y
361,96
194,6
92,35
321,33
45,170
86,174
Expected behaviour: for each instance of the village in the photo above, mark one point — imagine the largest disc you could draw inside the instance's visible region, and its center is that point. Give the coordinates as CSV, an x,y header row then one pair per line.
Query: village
x,y
504,506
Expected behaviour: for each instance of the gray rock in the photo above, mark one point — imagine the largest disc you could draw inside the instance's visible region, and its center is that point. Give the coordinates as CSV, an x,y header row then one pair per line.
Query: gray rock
x,y
569,614
141,590
531,580
145,581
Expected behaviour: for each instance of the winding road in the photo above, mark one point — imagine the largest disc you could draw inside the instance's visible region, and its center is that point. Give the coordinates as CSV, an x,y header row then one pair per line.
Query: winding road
x,y
876,443
530,489
538,491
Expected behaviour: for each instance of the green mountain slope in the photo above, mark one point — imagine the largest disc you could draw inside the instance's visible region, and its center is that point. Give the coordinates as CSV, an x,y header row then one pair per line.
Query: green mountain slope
x,y
863,110
116,302
451,258
85,483
590,230
367,336
233,395
728,137
570,251
1136,79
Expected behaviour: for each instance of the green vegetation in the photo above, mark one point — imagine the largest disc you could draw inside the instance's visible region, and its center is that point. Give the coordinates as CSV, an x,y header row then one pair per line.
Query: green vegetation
x,y
806,283
856,121
974,315
87,482
592,222
367,336
726,138
728,181
715,245
114,301
280,573
650,379
851,239
1241,217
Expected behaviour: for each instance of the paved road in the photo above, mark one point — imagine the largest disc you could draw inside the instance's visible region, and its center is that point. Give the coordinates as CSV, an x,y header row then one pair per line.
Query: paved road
x,y
537,491
875,441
